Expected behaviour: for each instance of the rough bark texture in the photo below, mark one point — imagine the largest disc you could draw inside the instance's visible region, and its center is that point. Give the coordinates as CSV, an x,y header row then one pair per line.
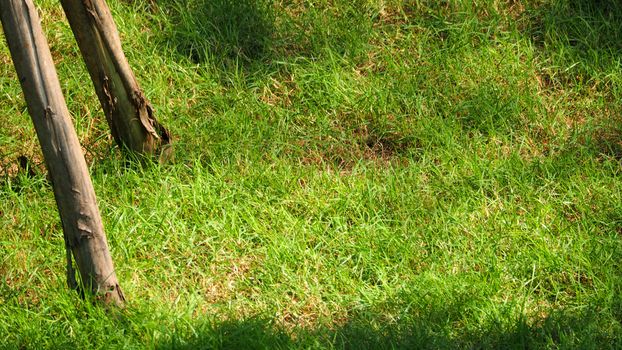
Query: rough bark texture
x,y
73,190
127,110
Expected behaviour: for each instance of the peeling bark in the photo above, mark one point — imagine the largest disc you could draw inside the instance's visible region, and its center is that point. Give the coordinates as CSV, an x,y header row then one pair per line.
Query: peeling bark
x,y
128,112
84,234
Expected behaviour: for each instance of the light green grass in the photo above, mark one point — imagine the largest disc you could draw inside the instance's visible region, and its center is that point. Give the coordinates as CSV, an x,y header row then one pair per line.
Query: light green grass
x,y
348,174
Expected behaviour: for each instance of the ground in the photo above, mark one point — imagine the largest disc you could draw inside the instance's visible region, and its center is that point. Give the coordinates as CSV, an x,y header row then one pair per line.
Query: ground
x,y
347,174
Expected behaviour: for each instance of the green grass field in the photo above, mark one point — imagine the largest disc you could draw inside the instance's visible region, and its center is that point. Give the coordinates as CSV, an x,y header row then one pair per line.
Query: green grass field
x,y
361,174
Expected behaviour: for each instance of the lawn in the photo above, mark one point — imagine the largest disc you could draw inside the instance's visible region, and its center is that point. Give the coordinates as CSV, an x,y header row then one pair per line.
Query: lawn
x,y
361,174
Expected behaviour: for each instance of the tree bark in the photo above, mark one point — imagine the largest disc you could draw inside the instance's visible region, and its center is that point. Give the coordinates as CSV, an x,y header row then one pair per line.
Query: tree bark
x,y
83,230
128,112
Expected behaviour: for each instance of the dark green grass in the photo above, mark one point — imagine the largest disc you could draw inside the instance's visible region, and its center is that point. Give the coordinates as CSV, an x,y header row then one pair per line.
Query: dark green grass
x,y
367,174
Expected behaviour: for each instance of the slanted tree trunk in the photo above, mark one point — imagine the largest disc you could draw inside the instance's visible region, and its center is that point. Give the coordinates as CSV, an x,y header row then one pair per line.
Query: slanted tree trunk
x,y
127,110
73,190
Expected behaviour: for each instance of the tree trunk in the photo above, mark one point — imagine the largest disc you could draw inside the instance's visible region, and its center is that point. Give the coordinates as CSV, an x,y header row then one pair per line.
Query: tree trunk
x,y
83,230
127,110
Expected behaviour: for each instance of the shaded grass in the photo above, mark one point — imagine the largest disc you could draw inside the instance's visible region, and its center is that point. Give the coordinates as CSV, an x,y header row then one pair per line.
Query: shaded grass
x,y
348,175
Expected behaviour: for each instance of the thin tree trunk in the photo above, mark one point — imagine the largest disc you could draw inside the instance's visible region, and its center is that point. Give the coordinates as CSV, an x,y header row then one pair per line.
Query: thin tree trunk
x,y
73,190
128,112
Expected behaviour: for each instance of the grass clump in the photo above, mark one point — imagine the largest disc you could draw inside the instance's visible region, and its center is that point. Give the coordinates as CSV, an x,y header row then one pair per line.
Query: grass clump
x,y
367,174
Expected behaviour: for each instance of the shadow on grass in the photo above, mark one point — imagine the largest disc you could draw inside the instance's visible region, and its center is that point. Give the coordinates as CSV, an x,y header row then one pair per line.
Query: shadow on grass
x,y
438,329
423,319
253,34
580,42
226,31
583,37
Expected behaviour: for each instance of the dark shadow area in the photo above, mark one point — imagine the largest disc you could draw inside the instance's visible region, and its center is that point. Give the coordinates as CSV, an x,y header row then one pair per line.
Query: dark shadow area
x,y
437,328
254,333
260,35
423,319
226,31
21,173
584,35
584,40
